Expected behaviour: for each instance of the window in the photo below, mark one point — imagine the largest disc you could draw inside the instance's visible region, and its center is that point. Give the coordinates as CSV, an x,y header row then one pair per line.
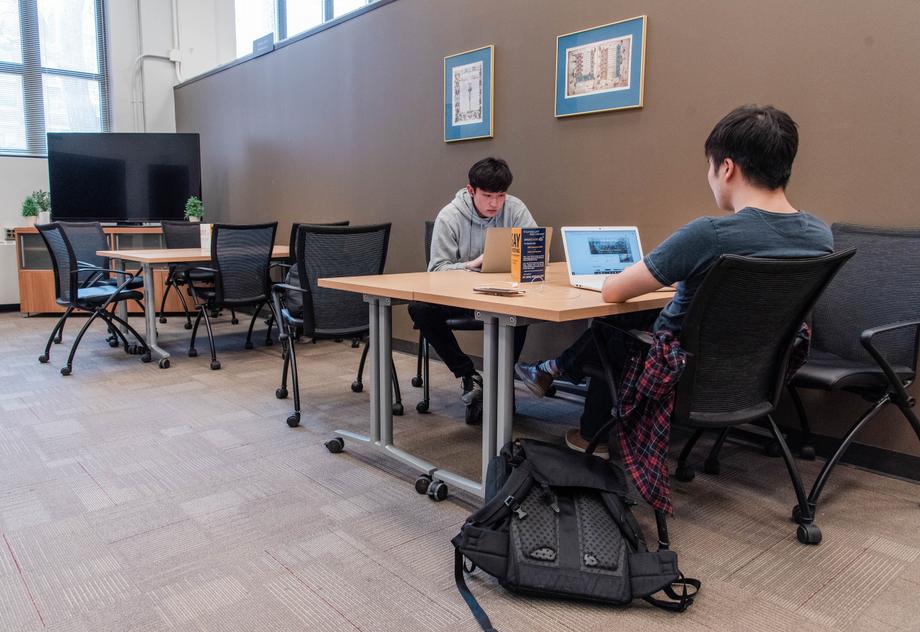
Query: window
x,y
52,72
284,18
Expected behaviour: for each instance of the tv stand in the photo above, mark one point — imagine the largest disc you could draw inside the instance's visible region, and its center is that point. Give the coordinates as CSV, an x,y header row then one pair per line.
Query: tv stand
x,y
36,275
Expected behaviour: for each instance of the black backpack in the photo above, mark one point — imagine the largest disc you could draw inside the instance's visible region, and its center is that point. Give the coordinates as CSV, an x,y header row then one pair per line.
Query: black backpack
x,y
557,523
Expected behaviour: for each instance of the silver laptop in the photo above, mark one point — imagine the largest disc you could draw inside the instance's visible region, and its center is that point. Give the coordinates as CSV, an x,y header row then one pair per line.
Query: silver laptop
x,y
497,249
592,253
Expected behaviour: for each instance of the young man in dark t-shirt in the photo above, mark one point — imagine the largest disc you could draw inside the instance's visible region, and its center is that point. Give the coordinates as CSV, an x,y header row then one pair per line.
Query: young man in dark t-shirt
x,y
750,154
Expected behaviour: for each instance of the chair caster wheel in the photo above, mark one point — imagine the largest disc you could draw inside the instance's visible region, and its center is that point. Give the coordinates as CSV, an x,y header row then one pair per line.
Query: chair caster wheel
x,y
422,483
551,391
335,445
473,414
163,363
684,473
162,320
711,466
281,393
248,345
417,382
193,353
797,513
113,342
146,358
808,534
437,491
773,449
422,407
807,452
294,420
43,358
355,343
398,409
58,340
215,365
187,325
65,370
357,387
234,321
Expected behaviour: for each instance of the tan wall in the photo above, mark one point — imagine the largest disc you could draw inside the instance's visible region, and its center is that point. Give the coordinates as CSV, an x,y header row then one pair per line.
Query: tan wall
x,y
347,123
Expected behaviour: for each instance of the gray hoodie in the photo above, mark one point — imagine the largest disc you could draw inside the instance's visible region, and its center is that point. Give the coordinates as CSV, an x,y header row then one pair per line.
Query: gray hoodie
x,y
460,233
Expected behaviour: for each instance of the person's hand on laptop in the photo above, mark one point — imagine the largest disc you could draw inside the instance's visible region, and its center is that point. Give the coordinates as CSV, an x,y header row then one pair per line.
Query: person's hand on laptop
x,y
476,264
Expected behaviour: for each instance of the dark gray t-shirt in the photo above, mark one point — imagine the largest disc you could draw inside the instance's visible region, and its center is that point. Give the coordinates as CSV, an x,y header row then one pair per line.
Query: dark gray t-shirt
x,y
686,256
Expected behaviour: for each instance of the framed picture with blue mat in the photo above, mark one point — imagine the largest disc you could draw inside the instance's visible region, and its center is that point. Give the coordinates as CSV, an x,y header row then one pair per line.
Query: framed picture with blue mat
x,y
468,94
601,69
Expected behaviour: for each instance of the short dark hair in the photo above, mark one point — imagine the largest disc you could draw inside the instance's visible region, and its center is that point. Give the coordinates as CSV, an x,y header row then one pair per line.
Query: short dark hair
x,y
491,174
762,141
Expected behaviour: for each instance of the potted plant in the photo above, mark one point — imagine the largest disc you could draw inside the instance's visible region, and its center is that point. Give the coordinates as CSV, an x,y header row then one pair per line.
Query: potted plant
x,y
43,201
194,209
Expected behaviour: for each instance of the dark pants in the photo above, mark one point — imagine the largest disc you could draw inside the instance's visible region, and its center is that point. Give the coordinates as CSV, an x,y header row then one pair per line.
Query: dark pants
x,y
598,402
431,320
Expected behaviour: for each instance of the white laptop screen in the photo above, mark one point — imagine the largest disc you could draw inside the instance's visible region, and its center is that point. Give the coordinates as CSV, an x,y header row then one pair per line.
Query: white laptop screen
x,y
601,251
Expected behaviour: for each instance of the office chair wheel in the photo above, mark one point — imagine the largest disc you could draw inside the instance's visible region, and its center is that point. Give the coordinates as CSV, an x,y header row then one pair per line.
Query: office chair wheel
x,y
113,341
293,420
234,321
65,370
684,473
398,409
437,491
43,358
215,365
422,483
551,391
355,343
162,320
773,449
187,325
193,353
146,358
422,407
163,363
807,452
808,534
281,393
357,387
335,445
58,339
417,382
711,466
248,344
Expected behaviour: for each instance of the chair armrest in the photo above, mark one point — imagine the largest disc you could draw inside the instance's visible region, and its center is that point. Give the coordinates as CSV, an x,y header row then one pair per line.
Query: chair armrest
x,y
281,265
202,268
636,334
866,338
280,288
98,269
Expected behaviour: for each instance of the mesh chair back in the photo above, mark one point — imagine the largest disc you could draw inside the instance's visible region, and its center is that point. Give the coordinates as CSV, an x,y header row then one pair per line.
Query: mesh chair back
x,y
86,238
294,300
429,231
63,260
181,234
296,226
739,333
242,254
328,251
881,285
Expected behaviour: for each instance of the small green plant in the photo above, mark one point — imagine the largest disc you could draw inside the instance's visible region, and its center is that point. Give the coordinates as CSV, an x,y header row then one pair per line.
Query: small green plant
x,y
194,208
37,202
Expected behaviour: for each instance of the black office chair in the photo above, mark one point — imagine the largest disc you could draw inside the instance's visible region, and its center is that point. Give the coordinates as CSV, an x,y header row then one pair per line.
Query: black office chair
x,y
458,324
87,295
329,251
241,255
184,234
738,335
866,332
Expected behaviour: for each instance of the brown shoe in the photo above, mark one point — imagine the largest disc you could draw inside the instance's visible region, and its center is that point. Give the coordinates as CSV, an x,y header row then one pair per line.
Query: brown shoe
x,y
533,378
574,440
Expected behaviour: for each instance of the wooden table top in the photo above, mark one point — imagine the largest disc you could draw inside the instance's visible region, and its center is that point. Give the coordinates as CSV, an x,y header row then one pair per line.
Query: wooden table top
x,y
174,255
555,300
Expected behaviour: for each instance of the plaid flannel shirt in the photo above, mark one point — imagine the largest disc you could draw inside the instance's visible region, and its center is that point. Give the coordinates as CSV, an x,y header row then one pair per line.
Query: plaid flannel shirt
x,y
646,400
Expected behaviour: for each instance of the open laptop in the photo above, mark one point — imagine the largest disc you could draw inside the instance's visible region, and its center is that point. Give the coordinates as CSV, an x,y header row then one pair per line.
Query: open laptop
x,y
497,249
592,253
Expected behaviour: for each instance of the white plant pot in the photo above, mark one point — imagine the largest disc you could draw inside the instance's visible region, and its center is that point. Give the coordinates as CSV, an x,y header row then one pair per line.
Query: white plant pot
x,y
29,221
44,217
194,219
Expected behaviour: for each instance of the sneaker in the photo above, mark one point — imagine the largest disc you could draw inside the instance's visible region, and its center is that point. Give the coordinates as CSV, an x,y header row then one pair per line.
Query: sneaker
x,y
574,440
536,380
472,388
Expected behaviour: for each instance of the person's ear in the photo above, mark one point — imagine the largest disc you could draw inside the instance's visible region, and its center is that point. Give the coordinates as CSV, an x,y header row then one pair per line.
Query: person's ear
x,y
729,167
470,189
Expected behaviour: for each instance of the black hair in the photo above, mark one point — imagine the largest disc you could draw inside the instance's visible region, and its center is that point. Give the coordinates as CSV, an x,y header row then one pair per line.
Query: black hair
x,y
762,141
491,174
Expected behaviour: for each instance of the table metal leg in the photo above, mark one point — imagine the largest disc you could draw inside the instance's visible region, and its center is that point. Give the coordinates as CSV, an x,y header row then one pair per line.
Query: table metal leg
x,y
504,418
122,307
150,315
373,436
489,387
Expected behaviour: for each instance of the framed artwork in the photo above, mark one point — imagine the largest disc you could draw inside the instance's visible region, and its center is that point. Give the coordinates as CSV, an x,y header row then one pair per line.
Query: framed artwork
x,y
601,69
468,94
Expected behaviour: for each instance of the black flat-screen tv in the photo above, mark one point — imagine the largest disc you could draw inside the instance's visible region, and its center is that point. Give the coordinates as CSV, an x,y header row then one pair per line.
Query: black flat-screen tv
x,y
124,178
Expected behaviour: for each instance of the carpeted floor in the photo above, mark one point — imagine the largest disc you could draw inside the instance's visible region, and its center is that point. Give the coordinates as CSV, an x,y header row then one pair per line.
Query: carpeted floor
x,y
133,498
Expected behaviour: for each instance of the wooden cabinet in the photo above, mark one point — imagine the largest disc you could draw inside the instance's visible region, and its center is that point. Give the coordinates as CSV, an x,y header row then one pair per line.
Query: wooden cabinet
x,y
36,276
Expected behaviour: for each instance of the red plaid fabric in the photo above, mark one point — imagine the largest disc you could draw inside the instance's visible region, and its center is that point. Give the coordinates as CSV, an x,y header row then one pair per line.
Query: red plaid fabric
x,y
646,398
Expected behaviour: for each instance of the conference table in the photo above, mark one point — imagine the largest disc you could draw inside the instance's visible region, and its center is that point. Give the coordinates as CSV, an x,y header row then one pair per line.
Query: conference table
x,y
158,257
554,300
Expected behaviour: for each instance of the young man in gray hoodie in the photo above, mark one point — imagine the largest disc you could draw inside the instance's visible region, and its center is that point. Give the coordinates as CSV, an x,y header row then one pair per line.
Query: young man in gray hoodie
x,y
457,243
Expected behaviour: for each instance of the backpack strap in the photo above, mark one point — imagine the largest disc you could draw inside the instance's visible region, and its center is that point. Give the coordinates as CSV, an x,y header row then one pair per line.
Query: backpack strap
x,y
481,617
507,499
678,601
624,518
